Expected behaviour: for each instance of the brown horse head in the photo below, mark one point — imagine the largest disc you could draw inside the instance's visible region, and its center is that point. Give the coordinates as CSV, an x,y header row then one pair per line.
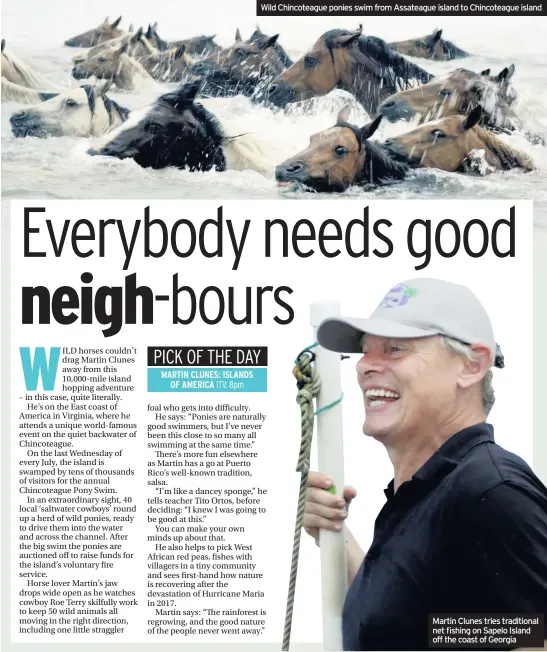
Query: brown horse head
x,y
260,38
432,46
450,144
245,67
458,92
338,158
104,32
169,66
362,65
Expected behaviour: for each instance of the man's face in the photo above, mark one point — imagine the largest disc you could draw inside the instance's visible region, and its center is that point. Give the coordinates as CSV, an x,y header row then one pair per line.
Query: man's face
x,y
407,385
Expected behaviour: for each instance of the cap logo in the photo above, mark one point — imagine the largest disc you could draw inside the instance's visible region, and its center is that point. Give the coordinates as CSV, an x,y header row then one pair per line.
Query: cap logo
x,y
398,296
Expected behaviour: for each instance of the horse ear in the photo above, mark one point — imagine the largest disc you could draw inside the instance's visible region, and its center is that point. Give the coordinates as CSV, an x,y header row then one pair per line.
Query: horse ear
x,y
155,26
343,116
485,73
238,35
44,97
259,31
188,92
131,28
116,22
368,130
347,39
270,42
149,34
3,44
180,52
210,38
106,21
473,117
506,74
436,36
137,36
501,76
123,48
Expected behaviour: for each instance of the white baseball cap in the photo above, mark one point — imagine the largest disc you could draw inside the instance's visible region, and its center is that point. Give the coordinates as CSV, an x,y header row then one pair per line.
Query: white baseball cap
x,y
419,307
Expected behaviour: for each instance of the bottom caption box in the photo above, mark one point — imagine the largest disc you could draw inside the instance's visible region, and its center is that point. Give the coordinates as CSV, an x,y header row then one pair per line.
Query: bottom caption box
x,y
488,631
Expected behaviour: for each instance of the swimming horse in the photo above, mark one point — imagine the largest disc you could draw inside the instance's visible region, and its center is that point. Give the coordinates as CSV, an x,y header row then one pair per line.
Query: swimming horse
x,y
365,66
457,144
116,65
176,131
137,46
196,46
84,111
245,68
458,93
167,66
343,156
104,32
432,46
20,83
340,157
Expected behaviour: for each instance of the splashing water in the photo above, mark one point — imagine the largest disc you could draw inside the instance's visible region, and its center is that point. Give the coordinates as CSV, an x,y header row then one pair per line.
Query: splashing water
x,y
60,167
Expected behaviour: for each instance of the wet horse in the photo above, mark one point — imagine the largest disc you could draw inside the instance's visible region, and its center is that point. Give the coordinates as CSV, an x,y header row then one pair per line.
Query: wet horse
x,y
137,46
104,32
169,66
258,36
432,46
245,68
85,111
177,132
458,92
22,95
456,144
115,65
340,157
21,75
363,65
196,46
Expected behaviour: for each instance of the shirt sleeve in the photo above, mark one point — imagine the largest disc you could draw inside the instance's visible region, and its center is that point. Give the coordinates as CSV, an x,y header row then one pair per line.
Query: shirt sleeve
x,y
509,533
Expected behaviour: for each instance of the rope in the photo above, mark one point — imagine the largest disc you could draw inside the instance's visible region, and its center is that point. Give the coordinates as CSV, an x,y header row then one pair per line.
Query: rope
x,y
308,383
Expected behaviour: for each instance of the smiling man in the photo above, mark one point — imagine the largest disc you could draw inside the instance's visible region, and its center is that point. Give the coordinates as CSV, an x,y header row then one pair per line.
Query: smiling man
x,y
464,528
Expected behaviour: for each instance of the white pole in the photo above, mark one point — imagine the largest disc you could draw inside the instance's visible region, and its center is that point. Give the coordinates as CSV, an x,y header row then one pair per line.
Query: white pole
x,y
331,462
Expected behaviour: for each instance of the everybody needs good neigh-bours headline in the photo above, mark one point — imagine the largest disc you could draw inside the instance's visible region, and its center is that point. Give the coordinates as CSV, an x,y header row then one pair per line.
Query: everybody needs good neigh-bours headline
x,y
218,237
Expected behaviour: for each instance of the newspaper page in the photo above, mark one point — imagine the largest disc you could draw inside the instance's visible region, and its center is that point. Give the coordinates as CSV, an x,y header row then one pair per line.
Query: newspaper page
x,y
273,305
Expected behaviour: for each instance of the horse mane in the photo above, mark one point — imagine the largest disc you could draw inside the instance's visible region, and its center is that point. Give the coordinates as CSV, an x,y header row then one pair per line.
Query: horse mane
x,y
220,83
509,157
32,78
380,167
183,98
15,93
112,104
400,70
137,66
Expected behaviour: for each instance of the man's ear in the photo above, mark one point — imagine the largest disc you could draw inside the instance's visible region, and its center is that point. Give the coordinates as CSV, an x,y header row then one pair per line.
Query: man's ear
x,y
473,371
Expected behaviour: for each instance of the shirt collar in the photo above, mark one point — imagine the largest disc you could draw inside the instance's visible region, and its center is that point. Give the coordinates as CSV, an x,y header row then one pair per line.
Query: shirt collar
x,y
449,455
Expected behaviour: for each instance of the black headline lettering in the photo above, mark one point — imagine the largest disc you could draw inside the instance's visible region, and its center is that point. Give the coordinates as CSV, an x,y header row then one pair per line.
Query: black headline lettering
x,y
450,229
130,303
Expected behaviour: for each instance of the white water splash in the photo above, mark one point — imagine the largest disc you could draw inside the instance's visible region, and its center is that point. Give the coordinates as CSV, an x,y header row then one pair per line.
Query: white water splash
x,y
59,167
